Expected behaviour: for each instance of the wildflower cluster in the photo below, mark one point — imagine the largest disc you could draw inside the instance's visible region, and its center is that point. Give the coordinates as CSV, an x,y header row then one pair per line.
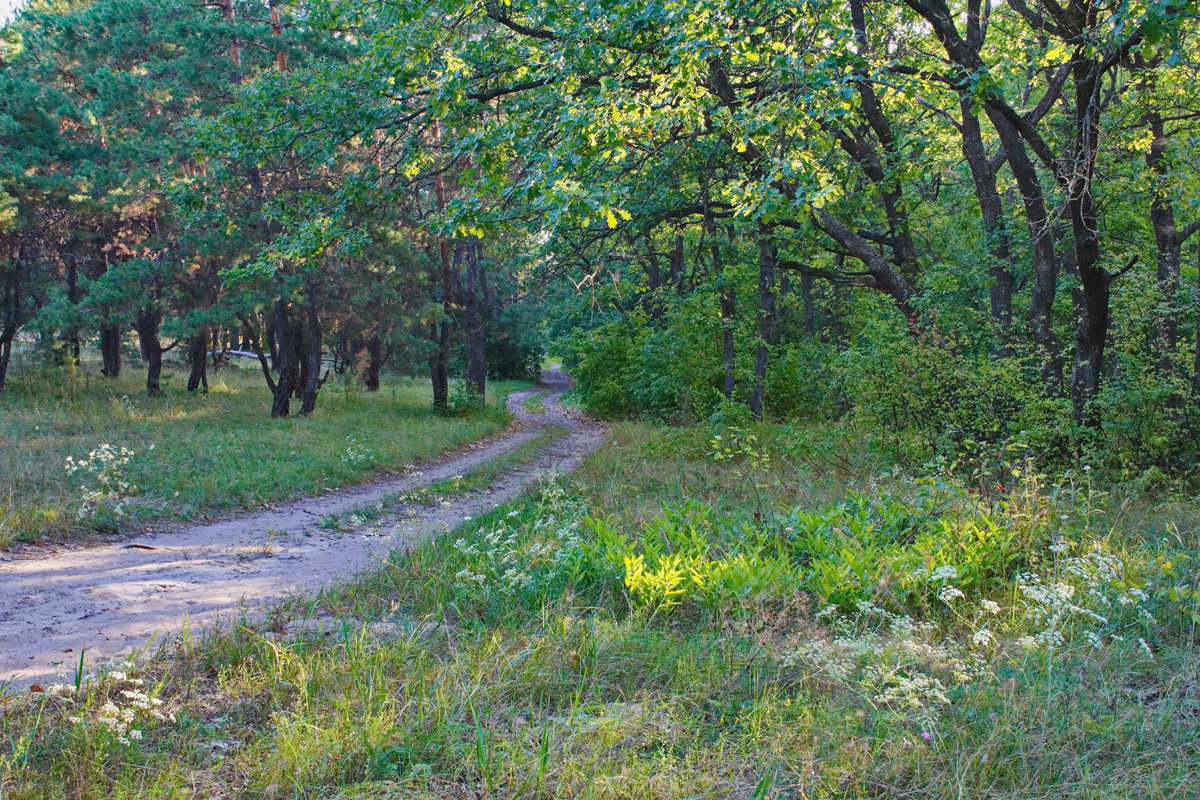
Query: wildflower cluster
x,y
357,454
893,660
1085,595
103,487
121,717
510,558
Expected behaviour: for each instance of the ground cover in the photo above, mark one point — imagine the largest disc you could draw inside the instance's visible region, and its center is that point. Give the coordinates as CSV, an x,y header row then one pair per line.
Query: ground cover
x,y
192,456
750,612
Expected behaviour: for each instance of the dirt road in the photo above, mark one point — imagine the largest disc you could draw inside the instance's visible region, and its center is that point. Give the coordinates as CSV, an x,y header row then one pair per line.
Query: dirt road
x,y
111,599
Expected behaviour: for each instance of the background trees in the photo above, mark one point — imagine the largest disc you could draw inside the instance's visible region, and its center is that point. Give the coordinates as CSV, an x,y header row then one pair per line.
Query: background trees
x,y
915,211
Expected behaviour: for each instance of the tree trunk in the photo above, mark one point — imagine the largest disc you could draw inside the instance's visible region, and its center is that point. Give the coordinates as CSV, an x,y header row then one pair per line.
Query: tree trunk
x,y
983,175
439,360
728,314
439,365
475,314
11,312
1164,326
272,342
6,337
286,361
654,305
1045,261
810,310
1195,346
198,357
766,322
374,363
146,325
676,263
110,350
312,338
1092,297
300,337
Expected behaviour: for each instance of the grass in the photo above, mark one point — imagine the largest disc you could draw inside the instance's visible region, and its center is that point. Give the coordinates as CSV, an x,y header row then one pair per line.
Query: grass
x,y
533,403
473,479
201,455
517,658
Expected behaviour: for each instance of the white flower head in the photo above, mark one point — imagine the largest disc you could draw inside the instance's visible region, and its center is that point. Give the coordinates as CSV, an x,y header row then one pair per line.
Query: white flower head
x,y
948,594
946,572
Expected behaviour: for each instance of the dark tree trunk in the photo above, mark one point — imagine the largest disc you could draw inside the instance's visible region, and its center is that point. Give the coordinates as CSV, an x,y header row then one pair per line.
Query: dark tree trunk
x,y
6,338
312,377
983,175
766,322
676,263
810,309
300,337
1092,296
965,53
110,350
439,359
198,357
11,312
835,309
728,298
272,342
146,325
862,150
1164,327
439,365
475,313
654,306
1045,261
286,361
728,314
374,363
1195,345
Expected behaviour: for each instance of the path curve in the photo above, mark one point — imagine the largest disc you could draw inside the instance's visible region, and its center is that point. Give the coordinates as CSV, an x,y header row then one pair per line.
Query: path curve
x,y
112,598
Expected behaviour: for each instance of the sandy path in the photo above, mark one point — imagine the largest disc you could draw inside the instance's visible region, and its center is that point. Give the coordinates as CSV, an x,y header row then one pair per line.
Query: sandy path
x,y
111,599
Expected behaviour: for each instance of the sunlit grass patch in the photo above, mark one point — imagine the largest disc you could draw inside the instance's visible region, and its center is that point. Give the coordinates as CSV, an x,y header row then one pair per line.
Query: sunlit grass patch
x,y
196,455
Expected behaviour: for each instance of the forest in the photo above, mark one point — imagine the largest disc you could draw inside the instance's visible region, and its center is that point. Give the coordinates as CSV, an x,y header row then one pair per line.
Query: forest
x,y
884,316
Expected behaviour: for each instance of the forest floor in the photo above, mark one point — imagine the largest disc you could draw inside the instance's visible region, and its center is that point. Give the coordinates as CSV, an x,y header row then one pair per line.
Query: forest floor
x,y
107,601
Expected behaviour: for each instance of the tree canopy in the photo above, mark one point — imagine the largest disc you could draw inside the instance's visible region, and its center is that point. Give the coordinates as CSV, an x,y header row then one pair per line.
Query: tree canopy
x,y
964,223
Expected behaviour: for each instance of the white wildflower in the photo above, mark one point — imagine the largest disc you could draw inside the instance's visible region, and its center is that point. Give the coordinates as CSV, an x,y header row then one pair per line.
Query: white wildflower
x,y
948,594
946,572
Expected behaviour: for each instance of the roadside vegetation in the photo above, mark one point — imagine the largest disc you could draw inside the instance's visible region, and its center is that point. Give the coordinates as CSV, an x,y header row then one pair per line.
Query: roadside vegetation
x,y
187,456
775,613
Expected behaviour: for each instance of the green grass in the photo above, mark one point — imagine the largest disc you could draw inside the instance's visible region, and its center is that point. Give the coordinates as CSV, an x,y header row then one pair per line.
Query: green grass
x,y
516,658
473,479
533,403
200,455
